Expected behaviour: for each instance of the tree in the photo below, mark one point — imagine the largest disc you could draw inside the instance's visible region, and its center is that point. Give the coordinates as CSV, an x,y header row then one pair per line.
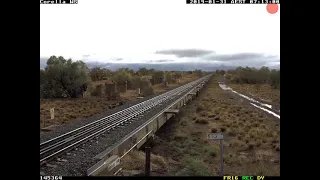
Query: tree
x,y
169,78
42,81
275,79
198,72
254,76
157,77
177,75
143,71
121,76
220,72
228,77
151,71
65,78
42,77
97,73
263,74
130,71
108,74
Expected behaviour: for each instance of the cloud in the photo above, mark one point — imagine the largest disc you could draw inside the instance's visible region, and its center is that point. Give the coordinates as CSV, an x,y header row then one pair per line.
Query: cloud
x,y
185,52
161,60
244,59
239,57
118,59
86,56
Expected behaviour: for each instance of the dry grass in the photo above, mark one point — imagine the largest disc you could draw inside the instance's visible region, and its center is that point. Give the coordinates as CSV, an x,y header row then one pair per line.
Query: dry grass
x,y
71,109
252,143
264,92
129,95
135,160
252,139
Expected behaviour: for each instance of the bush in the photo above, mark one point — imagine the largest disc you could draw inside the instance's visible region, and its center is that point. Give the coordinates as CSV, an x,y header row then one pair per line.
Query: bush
x,y
196,167
146,91
97,91
202,121
135,82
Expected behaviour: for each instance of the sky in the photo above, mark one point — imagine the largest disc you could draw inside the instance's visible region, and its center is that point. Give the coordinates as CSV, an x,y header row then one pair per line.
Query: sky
x,y
161,31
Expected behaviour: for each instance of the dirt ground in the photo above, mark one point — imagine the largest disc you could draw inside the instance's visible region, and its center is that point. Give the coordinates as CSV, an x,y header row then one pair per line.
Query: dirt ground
x,y
251,139
67,110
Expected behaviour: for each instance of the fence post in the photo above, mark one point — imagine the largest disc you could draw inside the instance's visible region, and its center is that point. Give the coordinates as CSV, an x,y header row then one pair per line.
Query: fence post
x,y
147,170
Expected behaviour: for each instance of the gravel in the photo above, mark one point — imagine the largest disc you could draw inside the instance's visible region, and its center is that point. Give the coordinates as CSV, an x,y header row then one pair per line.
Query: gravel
x,y
81,159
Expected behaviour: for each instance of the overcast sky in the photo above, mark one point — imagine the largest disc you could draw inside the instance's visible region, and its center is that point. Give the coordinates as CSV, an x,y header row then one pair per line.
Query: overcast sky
x,y
161,31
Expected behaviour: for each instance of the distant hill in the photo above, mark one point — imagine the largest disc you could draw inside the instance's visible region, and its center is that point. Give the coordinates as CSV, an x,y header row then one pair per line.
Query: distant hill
x,y
162,66
43,62
277,67
159,66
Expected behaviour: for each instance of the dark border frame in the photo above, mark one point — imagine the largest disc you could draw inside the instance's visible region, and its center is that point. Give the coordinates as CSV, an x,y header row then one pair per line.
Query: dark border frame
x,y
23,34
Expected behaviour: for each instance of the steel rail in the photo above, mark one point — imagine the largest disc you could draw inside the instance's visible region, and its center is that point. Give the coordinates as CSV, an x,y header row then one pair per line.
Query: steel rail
x,y
75,137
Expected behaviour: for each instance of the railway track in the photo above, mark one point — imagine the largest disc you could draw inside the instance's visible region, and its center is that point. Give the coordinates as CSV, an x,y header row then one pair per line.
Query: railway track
x,y
68,141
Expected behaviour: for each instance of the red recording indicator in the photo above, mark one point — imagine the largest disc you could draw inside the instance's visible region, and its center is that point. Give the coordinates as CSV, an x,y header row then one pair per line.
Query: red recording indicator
x,y
272,8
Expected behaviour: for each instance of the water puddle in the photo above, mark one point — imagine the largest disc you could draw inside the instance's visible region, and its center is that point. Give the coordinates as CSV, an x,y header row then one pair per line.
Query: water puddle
x,y
264,109
225,87
252,100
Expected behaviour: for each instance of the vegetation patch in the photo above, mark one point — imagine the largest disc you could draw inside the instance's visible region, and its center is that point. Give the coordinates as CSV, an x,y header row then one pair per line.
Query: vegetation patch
x,y
251,144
